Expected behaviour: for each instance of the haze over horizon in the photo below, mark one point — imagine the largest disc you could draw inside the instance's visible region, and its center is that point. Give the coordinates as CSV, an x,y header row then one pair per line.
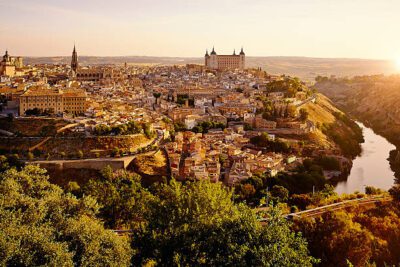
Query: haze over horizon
x,y
308,28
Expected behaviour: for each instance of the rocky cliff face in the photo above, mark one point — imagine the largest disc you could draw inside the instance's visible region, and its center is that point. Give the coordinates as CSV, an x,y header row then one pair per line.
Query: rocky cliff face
x,y
373,100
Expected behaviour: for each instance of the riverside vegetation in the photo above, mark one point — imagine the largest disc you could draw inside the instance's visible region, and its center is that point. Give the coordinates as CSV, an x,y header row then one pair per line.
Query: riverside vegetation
x,y
191,224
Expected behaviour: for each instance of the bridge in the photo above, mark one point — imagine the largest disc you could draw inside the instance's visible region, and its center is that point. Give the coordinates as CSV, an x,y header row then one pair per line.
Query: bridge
x,y
316,212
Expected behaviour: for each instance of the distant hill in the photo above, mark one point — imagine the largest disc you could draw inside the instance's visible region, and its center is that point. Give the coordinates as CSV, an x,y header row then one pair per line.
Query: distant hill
x,y
303,67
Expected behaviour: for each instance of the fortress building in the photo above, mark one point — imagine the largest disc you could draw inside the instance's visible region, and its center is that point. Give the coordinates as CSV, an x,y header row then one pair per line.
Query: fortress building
x,y
9,64
223,62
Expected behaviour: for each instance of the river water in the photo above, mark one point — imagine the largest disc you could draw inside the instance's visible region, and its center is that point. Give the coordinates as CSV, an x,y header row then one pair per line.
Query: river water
x,y
371,168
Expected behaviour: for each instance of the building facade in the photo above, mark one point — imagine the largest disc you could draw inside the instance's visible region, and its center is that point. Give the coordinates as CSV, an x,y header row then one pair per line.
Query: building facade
x,y
223,62
8,65
53,100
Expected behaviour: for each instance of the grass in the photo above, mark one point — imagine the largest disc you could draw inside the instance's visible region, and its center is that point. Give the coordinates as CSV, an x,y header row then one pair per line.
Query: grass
x,y
151,163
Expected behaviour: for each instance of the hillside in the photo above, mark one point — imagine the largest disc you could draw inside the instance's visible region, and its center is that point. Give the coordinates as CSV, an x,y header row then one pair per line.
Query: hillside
x,y
333,127
371,99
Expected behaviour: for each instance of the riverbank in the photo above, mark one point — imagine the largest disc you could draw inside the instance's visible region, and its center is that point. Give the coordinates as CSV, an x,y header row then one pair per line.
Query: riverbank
x,y
371,167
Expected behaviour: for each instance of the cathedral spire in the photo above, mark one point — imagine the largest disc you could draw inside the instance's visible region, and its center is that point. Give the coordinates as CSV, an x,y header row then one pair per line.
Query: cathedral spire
x,y
74,60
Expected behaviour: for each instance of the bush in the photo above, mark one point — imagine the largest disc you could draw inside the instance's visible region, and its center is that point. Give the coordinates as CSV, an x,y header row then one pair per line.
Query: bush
x,y
30,156
370,190
115,152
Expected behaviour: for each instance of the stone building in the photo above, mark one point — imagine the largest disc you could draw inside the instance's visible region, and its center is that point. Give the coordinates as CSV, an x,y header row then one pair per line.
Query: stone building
x,y
53,100
9,64
88,74
223,62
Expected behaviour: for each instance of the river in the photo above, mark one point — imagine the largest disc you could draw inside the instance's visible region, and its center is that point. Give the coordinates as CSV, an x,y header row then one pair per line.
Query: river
x,y
371,168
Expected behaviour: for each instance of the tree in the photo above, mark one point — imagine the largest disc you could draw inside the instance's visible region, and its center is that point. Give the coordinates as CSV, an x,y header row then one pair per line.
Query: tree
x,y
247,191
395,193
121,195
80,154
370,190
204,227
4,165
30,156
300,201
291,111
279,193
303,114
40,225
336,239
115,152
147,130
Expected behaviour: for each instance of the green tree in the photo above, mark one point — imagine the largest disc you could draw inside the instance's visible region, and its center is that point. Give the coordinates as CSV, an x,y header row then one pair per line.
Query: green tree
x,y
40,225
279,193
4,165
204,227
121,195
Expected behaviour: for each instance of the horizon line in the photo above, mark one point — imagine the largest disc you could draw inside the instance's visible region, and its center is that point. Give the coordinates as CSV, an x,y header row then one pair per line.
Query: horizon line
x,y
201,57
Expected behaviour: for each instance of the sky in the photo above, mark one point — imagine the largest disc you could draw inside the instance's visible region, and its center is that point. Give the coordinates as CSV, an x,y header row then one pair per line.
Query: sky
x,y
186,28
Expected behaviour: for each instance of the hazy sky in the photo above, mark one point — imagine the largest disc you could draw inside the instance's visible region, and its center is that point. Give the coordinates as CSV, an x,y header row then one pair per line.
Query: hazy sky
x,y
316,28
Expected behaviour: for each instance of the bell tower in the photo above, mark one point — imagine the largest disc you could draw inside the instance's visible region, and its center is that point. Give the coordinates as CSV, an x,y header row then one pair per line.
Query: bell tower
x,y
74,61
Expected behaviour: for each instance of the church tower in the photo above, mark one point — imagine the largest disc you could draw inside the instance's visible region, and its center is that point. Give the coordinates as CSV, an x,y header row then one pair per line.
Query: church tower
x,y
74,61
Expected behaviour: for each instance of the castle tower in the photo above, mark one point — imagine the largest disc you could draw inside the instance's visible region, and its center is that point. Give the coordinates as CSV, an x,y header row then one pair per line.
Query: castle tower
x,y
213,59
6,57
74,61
206,58
242,62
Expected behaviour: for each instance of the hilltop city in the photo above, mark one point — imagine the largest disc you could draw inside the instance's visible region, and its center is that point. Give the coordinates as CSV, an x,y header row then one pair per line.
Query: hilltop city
x,y
219,120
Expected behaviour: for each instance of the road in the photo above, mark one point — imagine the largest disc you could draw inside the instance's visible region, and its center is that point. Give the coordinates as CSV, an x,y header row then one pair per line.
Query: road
x,y
311,98
360,202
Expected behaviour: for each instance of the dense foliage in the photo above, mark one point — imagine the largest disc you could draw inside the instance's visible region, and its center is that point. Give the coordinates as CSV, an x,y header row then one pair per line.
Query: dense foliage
x,y
264,141
288,85
360,237
121,196
41,225
173,224
346,134
131,127
204,227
